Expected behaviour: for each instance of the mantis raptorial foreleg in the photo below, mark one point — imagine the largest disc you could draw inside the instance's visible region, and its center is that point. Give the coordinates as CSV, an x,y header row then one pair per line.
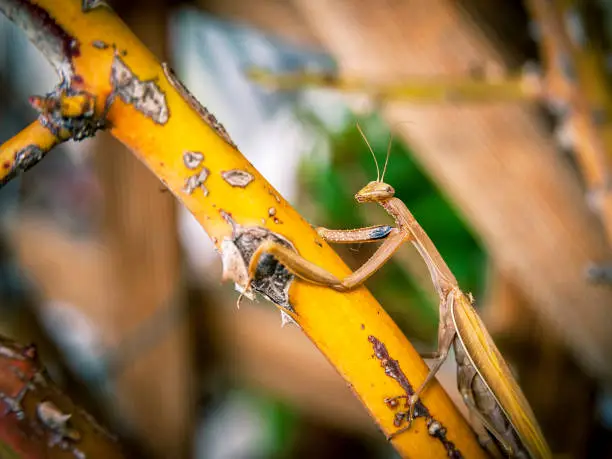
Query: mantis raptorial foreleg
x,y
368,234
311,272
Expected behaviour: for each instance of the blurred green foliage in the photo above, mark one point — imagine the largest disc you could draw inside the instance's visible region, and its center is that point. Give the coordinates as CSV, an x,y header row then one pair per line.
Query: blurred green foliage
x,y
331,182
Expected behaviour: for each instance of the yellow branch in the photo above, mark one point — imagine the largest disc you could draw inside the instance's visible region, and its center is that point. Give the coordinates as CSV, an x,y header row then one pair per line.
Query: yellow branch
x,y
416,90
195,158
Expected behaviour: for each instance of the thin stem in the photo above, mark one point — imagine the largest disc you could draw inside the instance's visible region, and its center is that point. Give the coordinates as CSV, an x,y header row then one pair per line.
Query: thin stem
x,y
25,150
514,88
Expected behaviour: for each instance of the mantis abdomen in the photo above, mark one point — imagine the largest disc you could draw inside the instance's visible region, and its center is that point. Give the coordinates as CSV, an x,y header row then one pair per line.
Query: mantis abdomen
x,y
485,410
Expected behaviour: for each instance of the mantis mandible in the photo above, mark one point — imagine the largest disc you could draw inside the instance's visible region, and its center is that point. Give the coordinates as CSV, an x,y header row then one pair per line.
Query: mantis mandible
x,y
501,414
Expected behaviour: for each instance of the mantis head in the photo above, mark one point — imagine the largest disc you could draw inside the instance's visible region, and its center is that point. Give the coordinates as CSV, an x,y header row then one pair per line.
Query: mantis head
x,y
376,190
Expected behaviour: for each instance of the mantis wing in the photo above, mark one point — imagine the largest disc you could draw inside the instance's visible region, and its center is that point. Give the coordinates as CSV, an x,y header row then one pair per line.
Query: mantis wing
x,y
494,371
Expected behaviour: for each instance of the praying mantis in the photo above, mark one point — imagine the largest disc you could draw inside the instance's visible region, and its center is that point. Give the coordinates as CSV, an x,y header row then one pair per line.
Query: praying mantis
x,y
500,413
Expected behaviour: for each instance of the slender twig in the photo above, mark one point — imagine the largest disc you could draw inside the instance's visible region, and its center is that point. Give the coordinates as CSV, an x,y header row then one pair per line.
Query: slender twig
x,y
25,150
519,88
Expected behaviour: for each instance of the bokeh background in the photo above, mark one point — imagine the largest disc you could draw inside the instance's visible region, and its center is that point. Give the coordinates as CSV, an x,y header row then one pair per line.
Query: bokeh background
x,y
119,286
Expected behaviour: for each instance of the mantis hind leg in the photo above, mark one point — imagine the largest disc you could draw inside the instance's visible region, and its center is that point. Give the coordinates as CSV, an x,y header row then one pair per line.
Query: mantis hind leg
x,y
413,399
445,341
446,337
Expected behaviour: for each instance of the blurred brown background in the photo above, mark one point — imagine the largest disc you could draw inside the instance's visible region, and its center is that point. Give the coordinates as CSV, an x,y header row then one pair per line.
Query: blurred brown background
x,y
120,289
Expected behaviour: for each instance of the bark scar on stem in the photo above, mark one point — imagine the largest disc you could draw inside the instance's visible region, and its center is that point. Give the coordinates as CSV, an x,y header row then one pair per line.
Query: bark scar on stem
x,y
237,178
88,5
100,44
144,95
24,160
392,369
193,161
272,280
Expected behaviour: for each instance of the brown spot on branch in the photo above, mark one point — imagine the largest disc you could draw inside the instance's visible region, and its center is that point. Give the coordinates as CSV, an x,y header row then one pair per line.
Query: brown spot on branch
x,y
392,369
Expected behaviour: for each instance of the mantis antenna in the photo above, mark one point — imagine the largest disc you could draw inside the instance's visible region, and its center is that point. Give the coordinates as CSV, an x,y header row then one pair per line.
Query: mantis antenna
x,y
382,179
371,151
